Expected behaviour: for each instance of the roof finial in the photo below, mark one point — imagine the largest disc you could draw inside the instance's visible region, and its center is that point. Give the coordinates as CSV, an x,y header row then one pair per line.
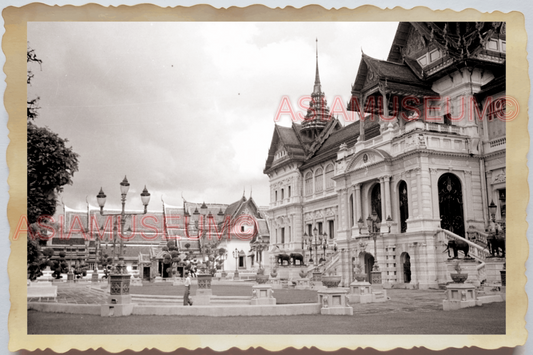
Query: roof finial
x,y
251,187
243,191
317,88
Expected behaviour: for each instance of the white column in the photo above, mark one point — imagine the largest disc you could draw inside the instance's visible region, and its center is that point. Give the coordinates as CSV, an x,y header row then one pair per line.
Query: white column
x,y
419,193
359,212
383,199
435,193
386,181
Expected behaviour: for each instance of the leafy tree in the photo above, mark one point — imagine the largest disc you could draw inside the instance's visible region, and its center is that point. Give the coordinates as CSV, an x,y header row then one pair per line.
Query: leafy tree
x,y
51,165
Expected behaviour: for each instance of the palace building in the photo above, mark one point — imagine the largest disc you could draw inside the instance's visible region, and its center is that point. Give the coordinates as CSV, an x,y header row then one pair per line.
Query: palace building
x,y
424,160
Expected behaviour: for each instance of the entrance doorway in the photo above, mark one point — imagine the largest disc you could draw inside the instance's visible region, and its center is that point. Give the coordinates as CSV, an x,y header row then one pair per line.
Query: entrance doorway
x,y
406,266
451,204
369,264
146,273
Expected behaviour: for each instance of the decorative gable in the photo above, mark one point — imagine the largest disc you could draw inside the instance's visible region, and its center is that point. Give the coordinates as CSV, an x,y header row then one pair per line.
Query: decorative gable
x,y
367,158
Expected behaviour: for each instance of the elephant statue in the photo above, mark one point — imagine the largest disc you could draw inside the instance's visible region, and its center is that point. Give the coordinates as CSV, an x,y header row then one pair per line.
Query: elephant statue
x,y
496,240
456,246
284,257
299,257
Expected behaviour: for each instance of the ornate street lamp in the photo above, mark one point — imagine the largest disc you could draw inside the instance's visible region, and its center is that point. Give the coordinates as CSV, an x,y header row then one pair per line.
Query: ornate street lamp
x,y
374,229
120,268
236,256
492,210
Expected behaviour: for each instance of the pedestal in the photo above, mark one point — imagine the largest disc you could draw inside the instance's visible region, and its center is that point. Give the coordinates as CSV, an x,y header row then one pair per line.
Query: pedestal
x,y
360,292
236,275
94,277
303,284
375,277
202,297
275,283
333,301
158,279
468,266
493,266
317,276
262,295
460,296
284,283
204,281
119,300
120,284
70,277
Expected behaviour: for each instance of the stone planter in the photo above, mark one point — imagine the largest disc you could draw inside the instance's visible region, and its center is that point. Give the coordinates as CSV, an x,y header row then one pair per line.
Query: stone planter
x,y
204,281
459,278
502,275
261,278
360,277
302,274
331,280
274,274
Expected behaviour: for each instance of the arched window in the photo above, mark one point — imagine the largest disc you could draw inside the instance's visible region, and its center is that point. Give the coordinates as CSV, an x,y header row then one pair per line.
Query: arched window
x,y
329,177
451,204
375,200
319,180
404,205
308,184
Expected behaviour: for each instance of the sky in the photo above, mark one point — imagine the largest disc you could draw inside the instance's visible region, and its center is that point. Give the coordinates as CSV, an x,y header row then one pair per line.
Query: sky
x,y
185,108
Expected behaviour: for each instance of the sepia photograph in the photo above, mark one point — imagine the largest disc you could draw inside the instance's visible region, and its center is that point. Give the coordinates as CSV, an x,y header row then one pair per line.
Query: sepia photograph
x,y
291,178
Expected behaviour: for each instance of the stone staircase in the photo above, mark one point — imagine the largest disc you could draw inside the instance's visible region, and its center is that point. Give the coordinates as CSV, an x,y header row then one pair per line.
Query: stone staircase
x,y
476,251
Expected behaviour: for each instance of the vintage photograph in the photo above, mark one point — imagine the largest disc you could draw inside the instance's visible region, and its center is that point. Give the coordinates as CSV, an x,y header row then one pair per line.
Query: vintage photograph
x,y
212,178
200,178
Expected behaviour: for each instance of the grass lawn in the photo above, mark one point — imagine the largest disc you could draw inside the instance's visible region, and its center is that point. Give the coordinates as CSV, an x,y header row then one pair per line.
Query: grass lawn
x,y
488,319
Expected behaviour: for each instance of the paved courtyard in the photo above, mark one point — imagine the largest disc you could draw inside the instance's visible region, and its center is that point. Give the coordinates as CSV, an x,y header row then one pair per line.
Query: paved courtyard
x,y
406,312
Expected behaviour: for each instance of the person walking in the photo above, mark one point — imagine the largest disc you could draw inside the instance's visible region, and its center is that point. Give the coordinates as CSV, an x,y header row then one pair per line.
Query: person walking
x,y
186,300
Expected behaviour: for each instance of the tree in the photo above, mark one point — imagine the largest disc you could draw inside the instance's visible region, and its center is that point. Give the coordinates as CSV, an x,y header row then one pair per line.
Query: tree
x,y
51,165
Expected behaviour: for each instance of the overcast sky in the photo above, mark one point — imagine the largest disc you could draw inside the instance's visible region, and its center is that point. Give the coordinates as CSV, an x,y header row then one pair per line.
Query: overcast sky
x,y
184,107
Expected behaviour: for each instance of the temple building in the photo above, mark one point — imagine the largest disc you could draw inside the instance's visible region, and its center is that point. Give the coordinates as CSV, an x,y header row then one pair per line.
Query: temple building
x,y
87,237
426,154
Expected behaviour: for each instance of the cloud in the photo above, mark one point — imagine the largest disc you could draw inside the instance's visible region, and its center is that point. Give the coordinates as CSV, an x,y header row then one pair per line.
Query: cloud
x,y
184,106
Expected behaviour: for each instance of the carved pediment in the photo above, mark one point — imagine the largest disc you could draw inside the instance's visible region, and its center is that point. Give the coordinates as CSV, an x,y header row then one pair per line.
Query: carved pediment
x,y
366,158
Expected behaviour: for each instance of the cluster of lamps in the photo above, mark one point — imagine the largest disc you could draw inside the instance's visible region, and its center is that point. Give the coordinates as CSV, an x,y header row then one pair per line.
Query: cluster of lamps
x,y
374,229
101,198
317,241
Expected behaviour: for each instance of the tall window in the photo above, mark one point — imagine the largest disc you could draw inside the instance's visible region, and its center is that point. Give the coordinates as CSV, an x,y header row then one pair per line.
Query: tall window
x,y
283,235
276,195
308,183
404,206
289,192
282,194
330,184
319,182
331,229
376,201
319,228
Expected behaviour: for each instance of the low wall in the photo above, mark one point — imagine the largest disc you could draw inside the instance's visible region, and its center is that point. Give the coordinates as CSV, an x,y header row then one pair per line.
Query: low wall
x,y
172,310
230,311
65,308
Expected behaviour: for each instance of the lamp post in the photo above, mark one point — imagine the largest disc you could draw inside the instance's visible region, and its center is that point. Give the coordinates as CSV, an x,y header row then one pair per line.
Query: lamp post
x,y
315,243
101,198
304,244
374,230
236,256
492,211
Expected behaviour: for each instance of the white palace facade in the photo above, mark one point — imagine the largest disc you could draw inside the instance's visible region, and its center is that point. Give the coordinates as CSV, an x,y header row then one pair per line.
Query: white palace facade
x,y
428,155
